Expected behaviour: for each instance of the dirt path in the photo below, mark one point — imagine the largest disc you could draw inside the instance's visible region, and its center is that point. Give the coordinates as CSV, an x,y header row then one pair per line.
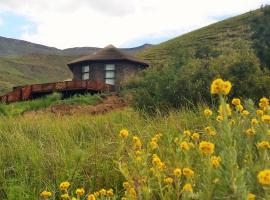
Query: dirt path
x,y
108,104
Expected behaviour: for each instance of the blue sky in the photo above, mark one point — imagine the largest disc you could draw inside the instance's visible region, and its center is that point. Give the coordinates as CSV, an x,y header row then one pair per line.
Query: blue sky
x,y
74,23
13,25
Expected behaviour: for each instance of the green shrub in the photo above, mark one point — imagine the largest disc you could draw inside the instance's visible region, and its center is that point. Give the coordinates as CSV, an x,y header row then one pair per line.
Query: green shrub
x,y
188,85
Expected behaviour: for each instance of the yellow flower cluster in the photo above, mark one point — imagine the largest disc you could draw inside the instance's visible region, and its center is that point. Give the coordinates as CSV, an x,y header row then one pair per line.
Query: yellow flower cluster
x,y
266,119
250,132
264,177
187,188
64,185
124,133
209,131
219,86
188,173
130,191
177,172
263,145
80,191
251,196
264,103
168,180
206,148
154,141
45,194
137,143
157,163
207,112
215,161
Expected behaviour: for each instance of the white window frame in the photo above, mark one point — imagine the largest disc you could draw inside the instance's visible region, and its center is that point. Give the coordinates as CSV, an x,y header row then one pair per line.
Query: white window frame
x,y
111,69
85,72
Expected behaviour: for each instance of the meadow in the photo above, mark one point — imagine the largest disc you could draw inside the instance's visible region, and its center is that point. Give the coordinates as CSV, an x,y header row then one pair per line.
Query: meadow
x,y
197,153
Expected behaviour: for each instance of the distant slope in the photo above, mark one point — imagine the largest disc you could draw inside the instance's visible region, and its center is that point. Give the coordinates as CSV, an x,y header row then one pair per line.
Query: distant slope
x,y
14,47
221,34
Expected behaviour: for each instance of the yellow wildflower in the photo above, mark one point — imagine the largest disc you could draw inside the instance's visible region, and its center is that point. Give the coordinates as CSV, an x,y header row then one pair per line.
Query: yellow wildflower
x,y
264,177
102,192
263,145
245,113
45,194
250,132
96,194
154,145
207,129
266,119
215,161
109,192
157,162
187,172
254,122
80,191
207,112
123,198
195,136
123,133
65,196
184,146
219,86
219,118
264,102
168,180
206,147
91,197
132,192
187,187
137,142
236,101
64,185
73,198
177,172
224,110
259,112
251,196
187,133
239,108
126,185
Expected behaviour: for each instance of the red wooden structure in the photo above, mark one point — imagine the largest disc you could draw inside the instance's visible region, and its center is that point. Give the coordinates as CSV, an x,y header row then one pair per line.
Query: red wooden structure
x,y
24,93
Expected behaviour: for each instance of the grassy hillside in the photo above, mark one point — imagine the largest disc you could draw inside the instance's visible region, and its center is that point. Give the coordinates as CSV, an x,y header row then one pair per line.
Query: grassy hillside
x,y
218,35
34,68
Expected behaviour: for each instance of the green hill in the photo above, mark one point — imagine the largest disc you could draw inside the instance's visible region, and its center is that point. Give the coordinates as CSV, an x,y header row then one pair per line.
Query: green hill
x,y
218,35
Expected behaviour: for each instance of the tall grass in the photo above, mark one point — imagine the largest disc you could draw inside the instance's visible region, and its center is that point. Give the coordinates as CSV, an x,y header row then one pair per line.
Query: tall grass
x,y
39,152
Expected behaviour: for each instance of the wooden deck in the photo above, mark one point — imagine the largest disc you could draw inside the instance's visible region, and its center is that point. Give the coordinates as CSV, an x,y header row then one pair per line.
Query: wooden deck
x,y
24,93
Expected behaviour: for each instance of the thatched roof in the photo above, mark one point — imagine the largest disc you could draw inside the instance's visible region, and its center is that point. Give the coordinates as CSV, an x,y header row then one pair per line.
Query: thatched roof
x,y
109,53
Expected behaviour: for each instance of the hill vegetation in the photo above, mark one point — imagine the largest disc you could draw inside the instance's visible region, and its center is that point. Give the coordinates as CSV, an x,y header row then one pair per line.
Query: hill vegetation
x,y
182,68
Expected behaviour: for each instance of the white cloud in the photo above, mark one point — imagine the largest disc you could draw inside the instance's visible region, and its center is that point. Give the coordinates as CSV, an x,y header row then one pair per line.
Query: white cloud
x,y
69,23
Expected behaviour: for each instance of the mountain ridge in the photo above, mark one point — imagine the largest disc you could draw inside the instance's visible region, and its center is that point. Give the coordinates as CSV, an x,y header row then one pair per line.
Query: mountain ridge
x,y
15,47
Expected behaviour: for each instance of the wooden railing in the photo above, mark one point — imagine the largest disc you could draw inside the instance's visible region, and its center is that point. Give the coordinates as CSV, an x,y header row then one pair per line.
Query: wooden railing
x,y
24,93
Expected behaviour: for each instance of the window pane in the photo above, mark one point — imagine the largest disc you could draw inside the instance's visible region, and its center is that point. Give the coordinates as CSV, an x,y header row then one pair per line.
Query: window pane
x,y
85,69
110,81
85,76
110,74
110,67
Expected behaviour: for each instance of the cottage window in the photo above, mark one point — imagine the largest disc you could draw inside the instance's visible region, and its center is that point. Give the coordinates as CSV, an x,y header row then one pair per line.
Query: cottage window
x,y
110,74
85,73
